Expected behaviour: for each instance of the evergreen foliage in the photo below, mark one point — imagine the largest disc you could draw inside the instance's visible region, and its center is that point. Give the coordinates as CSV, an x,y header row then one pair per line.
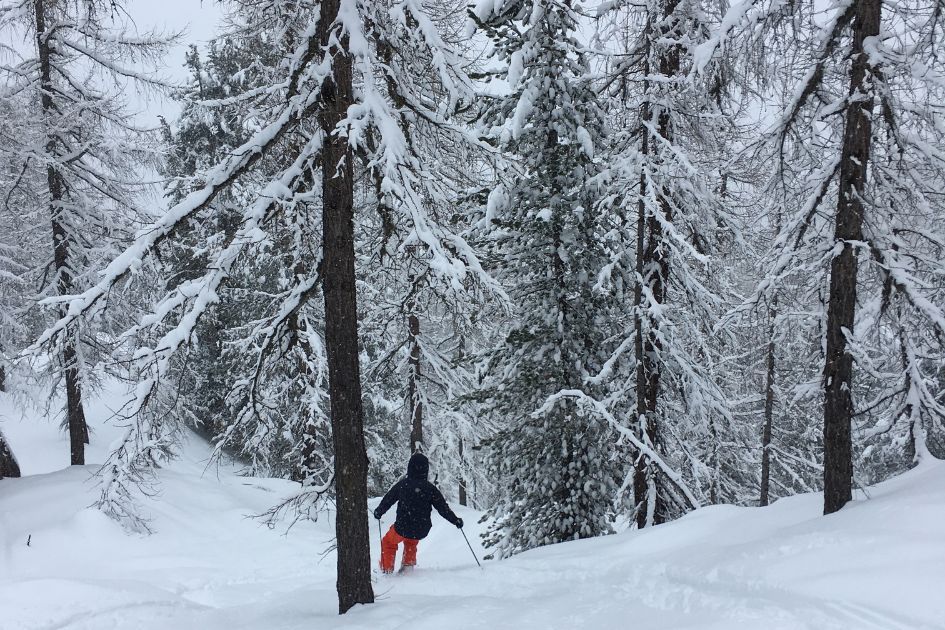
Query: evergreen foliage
x,y
553,463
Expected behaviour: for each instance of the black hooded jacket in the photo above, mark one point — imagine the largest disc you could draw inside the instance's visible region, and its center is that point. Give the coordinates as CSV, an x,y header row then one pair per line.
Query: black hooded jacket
x,y
415,497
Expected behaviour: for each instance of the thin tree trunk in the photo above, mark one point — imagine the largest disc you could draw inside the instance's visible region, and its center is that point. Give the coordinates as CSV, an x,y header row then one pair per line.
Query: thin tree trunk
x,y
462,475
413,384
769,412
653,268
75,413
715,463
8,464
841,309
640,464
341,326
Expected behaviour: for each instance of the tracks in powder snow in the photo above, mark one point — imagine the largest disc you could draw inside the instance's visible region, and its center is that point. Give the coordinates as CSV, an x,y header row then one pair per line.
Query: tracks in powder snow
x,y
877,565
609,584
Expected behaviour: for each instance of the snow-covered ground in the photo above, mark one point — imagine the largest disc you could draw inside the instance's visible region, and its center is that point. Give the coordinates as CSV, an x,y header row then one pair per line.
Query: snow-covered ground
x,y
880,563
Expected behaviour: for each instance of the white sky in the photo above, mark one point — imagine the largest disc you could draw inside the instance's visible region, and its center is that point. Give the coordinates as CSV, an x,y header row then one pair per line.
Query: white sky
x,y
198,18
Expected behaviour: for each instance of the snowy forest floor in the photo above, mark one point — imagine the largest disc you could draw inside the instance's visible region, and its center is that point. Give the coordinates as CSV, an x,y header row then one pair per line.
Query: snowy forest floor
x,y
880,563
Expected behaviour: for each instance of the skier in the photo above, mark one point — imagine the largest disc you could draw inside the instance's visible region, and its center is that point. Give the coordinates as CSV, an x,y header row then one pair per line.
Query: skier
x,y
414,496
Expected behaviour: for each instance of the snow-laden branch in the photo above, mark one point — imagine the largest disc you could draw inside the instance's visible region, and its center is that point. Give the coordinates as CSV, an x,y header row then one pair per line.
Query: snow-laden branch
x,y
225,174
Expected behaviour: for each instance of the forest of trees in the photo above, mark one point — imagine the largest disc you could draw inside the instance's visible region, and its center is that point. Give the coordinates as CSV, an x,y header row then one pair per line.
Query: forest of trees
x,y
603,262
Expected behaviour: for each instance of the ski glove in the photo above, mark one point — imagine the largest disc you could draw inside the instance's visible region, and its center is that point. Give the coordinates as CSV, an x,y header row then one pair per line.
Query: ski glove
x,y
377,514
459,522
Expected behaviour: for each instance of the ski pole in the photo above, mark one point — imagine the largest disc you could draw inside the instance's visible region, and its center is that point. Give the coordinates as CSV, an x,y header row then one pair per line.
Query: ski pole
x,y
470,547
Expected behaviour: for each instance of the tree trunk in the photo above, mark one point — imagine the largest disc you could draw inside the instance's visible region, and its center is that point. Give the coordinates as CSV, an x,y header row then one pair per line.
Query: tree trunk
x,y
653,268
462,473
8,465
769,413
341,326
640,465
841,309
413,384
75,413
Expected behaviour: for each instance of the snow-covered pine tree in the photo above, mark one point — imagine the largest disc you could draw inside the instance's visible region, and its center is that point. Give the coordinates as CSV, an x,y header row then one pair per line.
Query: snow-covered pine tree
x,y
77,133
551,458
857,136
256,414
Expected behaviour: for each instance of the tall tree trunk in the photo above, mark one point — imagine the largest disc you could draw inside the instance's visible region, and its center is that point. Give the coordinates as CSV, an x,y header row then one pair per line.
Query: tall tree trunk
x,y
8,465
341,326
653,268
75,413
413,383
841,309
769,412
640,464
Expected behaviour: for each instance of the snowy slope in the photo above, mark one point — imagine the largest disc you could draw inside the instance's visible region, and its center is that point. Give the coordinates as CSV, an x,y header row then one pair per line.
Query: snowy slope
x,y
880,563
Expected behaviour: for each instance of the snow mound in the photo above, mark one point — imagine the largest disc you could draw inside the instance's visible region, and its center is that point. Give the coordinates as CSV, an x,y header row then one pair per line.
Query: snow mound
x,y
879,563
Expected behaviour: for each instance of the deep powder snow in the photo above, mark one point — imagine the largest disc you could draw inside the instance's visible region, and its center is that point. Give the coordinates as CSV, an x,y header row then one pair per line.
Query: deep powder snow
x,y
879,563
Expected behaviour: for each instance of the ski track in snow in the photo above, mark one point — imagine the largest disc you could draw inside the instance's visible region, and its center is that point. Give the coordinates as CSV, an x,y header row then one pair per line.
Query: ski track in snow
x,y
878,564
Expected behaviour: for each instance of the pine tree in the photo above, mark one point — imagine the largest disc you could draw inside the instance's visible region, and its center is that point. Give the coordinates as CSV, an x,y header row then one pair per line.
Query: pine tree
x,y
551,458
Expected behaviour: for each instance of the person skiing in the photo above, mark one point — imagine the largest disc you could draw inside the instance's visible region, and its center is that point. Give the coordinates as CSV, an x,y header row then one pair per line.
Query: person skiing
x,y
414,496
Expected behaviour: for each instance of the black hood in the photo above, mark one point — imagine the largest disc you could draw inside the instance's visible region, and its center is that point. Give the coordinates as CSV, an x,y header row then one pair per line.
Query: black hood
x,y
418,467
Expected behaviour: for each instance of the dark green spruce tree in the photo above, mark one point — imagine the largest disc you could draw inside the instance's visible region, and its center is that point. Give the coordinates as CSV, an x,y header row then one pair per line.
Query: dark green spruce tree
x,y
550,458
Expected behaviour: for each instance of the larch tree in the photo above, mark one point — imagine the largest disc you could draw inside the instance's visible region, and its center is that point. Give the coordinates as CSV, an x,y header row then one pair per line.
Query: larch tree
x,y
848,233
257,413
855,140
418,320
79,134
669,233
23,232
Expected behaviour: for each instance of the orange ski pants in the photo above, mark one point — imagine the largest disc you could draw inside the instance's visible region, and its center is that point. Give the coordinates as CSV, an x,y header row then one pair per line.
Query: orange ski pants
x,y
389,546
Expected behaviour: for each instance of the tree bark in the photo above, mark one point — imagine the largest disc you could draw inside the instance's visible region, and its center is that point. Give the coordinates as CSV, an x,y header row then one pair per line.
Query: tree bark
x,y
640,465
769,413
841,308
462,473
8,464
75,413
653,269
341,325
413,384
